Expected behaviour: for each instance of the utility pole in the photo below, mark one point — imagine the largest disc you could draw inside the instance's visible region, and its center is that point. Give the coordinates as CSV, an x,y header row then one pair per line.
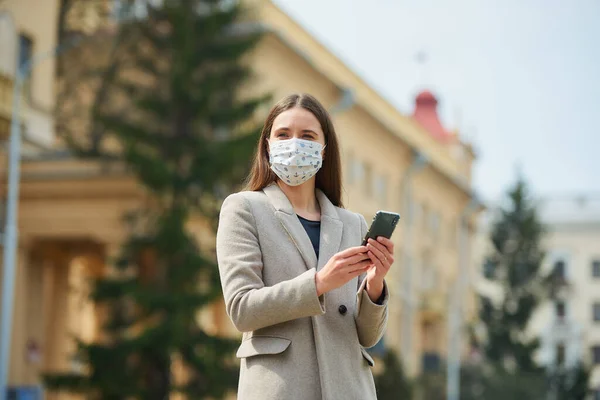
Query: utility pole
x,y
456,303
12,201
419,162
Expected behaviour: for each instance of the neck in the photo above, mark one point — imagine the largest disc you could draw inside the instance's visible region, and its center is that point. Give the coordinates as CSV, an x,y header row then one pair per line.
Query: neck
x,y
302,197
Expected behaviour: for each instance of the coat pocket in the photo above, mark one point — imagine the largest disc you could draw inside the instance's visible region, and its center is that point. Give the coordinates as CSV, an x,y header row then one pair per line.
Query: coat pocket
x,y
257,345
367,357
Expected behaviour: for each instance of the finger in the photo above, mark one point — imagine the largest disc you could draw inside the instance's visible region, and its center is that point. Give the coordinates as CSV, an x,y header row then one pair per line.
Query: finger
x,y
379,250
352,251
376,244
359,266
358,273
389,256
387,243
381,268
355,258
376,260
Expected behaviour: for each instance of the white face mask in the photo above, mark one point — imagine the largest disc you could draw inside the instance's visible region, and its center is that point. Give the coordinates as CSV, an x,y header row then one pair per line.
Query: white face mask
x,y
295,160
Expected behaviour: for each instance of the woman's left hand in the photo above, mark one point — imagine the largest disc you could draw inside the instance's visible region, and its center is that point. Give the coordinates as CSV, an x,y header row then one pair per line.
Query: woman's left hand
x,y
381,253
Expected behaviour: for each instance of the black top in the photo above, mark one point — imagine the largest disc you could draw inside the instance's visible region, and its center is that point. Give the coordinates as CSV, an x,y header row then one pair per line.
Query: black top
x,y
313,229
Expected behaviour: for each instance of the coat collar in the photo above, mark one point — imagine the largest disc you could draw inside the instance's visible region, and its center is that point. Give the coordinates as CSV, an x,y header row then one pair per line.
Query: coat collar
x,y
331,226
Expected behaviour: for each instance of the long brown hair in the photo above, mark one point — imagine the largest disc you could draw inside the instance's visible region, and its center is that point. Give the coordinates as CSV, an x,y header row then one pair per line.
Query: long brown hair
x,y
329,177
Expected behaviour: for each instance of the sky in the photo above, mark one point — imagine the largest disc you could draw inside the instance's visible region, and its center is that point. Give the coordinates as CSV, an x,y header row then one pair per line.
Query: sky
x,y
520,79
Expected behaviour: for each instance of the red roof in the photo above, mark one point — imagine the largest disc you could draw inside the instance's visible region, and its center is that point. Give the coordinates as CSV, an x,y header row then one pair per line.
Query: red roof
x,y
426,115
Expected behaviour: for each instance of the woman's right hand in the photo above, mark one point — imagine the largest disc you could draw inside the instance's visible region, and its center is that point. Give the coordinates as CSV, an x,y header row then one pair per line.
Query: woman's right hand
x,y
341,268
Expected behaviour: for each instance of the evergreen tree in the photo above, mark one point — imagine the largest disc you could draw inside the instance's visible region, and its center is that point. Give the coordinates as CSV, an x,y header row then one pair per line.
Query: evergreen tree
x,y
491,382
569,383
392,383
514,265
509,369
174,117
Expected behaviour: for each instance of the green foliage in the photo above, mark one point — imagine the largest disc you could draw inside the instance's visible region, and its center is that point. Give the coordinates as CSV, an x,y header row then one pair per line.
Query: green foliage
x,y
172,107
509,369
431,385
570,383
392,383
494,382
514,265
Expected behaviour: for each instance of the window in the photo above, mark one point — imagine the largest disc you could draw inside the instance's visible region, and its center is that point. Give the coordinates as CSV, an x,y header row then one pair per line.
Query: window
x,y
489,269
25,49
452,229
416,211
596,268
381,189
358,171
137,9
596,355
349,172
434,224
560,309
560,354
596,312
25,54
431,362
368,171
424,218
428,277
559,269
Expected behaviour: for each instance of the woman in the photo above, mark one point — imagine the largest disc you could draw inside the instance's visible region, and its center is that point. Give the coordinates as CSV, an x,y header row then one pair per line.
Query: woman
x,y
307,297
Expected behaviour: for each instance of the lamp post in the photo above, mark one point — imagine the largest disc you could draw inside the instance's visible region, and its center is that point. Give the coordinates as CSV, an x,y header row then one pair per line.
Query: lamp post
x,y
419,162
12,201
456,298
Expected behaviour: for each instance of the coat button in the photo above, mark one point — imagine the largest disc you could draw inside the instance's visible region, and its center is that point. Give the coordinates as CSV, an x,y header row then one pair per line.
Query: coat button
x,y
342,309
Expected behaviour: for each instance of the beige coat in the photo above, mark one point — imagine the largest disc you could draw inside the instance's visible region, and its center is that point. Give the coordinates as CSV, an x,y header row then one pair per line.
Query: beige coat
x,y
295,345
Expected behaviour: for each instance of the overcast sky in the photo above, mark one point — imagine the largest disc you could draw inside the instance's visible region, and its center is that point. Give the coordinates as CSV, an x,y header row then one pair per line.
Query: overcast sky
x,y
520,79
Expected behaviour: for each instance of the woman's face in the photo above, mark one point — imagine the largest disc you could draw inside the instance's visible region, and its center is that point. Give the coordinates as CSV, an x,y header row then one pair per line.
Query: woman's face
x,y
297,123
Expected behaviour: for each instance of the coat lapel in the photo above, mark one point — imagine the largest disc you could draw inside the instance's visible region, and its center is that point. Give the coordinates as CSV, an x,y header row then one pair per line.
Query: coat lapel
x,y
286,215
331,230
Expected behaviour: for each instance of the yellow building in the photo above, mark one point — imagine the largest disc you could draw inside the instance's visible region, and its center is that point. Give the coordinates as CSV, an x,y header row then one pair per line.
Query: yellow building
x,y
70,211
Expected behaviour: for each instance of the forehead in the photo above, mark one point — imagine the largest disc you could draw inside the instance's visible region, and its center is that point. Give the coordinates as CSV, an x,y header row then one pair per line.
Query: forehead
x,y
297,118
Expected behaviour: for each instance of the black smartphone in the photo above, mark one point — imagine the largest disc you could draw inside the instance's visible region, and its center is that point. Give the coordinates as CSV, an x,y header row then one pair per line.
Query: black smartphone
x,y
384,223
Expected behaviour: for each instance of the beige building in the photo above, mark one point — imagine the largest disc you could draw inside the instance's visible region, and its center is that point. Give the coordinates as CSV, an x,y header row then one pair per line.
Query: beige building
x,y
70,210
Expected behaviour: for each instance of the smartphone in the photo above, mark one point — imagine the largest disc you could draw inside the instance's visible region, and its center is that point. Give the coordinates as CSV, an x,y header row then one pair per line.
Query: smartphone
x,y
384,223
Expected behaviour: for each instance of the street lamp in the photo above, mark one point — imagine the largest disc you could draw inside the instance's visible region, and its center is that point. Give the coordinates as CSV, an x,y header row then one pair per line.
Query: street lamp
x,y
455,317
10,232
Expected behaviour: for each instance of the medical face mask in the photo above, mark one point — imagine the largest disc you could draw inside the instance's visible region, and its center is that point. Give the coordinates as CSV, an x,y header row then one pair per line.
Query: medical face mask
x,y
295,160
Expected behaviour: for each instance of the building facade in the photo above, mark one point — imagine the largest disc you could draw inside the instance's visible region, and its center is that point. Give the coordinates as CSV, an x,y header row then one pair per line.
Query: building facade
x,y
569,326
70,210
24,33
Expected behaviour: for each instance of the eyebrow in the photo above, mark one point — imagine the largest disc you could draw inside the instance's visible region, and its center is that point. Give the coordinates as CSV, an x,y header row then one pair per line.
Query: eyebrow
x,y
284,128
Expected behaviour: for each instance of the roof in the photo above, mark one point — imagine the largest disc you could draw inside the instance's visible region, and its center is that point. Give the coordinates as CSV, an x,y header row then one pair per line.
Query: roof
x,y
426,114
578,209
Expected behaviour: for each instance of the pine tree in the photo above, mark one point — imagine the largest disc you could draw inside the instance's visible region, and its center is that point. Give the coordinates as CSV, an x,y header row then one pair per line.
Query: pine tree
x,y
392,383
175,118
514,265
569,383
509,369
